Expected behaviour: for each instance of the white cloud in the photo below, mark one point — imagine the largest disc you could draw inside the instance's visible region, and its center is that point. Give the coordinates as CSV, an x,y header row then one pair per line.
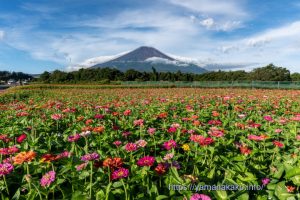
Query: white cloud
x,y
2,33
211,24
229,8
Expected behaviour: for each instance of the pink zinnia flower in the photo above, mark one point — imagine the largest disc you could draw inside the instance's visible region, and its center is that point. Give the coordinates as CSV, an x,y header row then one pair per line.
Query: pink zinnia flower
x,y
215,132
265,181
89,157
278,130
146,161
151,131
169,144
168,156
120,173
117,143
200,197
47,179
129,147
81,166
141,143
255,138
138,122
5,169
56,116
175,125
74,138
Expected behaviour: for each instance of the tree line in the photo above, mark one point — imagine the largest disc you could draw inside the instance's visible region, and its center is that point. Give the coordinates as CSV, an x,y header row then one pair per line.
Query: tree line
x,y
105,75
6,75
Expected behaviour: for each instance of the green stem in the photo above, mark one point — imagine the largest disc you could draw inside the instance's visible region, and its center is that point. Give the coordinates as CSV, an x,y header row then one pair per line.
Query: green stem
x,y
28,174
91,180
125,190
4,179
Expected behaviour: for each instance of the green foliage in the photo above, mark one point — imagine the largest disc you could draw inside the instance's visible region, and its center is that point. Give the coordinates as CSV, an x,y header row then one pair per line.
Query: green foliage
x,y
268,73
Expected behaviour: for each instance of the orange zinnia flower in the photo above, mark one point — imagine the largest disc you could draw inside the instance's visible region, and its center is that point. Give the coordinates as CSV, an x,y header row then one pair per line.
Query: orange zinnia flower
x,y
99,129
24,157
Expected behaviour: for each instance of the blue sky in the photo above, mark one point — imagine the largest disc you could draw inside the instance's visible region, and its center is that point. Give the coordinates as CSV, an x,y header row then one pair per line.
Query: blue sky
x,y
39,35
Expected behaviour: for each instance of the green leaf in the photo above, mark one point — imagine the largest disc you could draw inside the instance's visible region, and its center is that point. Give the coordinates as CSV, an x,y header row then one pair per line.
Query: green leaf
x,y
220,194
210,175
83,175
78,195
244,196
161,197
296,180
292,172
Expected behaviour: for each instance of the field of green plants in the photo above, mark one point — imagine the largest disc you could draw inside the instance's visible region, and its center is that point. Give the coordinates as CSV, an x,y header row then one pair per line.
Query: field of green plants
x,y
147,143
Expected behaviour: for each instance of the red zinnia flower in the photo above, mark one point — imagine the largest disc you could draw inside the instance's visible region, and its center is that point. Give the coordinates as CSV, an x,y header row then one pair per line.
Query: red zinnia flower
x,y
21,138
278,144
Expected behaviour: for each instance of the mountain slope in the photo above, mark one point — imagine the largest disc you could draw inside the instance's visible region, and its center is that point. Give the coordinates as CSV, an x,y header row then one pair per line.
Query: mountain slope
x,y
144,58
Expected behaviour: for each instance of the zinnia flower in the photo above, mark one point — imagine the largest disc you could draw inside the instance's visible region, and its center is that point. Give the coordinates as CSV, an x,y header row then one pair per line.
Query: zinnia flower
x,y
278,144
89,157
146,161
117,143
169,144
21,138
129,147
268,118
56,116
168,156
151,131
81,166
47,179
185,147
200,197
74,138
113,162
265,181
138,122
120,173
6,168
161,169
24,157
141,143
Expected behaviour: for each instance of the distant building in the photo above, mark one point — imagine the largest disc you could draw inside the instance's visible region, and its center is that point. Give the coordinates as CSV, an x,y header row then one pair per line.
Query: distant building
x,y
11,82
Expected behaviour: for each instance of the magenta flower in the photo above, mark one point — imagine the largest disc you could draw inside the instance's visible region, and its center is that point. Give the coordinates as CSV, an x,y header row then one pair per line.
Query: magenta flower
x,y
5,169
120,173
74,138
99,116
129,147
172,130
169,145
47,179
265,181
146,161
268,118
200,197
90,157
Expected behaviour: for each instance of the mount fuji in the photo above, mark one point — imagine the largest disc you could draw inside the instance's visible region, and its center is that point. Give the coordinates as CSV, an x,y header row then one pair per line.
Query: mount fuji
x,y
144,58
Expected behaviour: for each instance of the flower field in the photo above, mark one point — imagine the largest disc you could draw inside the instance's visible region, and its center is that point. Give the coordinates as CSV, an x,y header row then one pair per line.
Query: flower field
x,y
149,143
